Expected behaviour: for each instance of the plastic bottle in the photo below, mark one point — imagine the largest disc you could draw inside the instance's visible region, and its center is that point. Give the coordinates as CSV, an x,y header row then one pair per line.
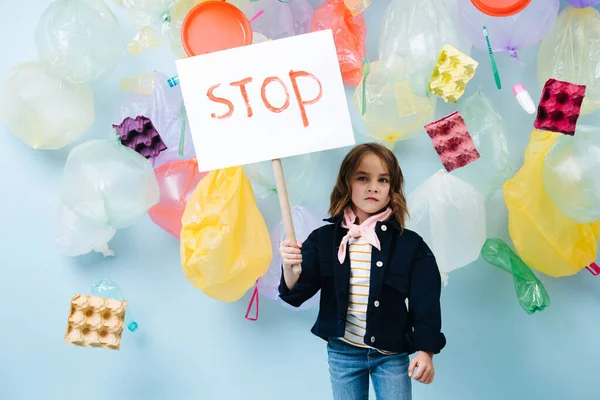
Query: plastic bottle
x,y
108,289
524,98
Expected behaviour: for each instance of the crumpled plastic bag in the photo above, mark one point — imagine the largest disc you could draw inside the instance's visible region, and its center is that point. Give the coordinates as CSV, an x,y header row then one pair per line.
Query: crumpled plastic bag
x,y
488,131
571,52
280,19
148,12
74,236
304,223
449,214
392,111
165,108
107,184
177,180
542,235
572,174
42,110
300,172
225,244
412,36
79,40
349,34
531,293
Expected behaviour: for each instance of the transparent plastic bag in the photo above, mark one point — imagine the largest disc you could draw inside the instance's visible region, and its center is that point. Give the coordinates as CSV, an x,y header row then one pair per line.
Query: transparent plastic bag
x,y
488,131
304,223
300,172
176,182
279,19
165,108
392,111
107,184
438,210
531,293
571,52
173,33
42,110
225,245
544,238
571,174
149,12
79,40
412,36
349,34
74,237
513,33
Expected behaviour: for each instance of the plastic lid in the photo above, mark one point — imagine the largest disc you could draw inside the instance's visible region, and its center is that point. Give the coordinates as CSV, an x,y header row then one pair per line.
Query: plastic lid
x,y
213,26
500,8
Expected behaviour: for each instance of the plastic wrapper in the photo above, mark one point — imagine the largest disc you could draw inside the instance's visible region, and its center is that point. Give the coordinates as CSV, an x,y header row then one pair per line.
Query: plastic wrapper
x,y
149,12
349,34
452,141
300,172
488,131
79,40
572,174
107,184
225,245
164,107
559,107
176,182
304,223
392,111
438,210
42,110
451,74
544,238
571,52
75,237
412,36
531,293
510,34
583,3
279,19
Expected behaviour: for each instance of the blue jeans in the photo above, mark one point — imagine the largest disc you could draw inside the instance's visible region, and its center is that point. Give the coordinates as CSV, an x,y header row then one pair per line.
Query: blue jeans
x,y
350,367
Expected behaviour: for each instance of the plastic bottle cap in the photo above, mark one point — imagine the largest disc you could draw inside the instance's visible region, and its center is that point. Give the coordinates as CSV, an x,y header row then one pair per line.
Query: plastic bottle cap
x,y
133,326
500,8
213,26
518,88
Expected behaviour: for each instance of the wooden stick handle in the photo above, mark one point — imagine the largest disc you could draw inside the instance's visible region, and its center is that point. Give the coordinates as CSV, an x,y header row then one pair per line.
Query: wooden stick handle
x,y
284,203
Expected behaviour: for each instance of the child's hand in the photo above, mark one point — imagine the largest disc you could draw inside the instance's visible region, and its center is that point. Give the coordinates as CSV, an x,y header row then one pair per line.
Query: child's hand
x,y
290,254
425,372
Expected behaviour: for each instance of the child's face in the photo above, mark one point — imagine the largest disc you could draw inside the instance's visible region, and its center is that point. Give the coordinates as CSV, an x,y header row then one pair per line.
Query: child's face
x,y
370,186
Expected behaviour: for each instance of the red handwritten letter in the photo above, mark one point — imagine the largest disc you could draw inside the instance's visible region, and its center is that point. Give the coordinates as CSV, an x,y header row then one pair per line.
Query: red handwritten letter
x,y
221,100
242,85
263,94
293,76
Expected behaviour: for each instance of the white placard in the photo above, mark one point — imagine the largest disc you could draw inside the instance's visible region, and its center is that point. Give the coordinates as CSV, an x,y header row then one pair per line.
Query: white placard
x,y
265,101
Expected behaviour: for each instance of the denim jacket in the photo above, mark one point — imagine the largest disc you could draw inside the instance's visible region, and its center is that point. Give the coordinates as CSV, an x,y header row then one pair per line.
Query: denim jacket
x,y
404,268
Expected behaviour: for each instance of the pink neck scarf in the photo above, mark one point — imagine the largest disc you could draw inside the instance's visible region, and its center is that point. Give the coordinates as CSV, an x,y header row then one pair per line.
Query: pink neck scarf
x,y
366,230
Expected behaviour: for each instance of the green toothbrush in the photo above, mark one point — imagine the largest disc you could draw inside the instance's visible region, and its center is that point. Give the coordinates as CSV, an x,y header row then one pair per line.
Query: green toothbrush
x,y
492,59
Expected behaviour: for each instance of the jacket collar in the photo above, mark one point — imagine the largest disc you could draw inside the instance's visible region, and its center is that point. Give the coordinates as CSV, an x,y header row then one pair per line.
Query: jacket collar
x,y
337,220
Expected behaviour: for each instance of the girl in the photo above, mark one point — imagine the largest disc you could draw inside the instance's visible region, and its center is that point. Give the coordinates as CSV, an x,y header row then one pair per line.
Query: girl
x,y
380,285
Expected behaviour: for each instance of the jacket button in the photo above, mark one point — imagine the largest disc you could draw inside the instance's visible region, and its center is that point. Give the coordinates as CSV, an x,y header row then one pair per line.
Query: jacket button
x,y
379,264
376,303
383,228
372,339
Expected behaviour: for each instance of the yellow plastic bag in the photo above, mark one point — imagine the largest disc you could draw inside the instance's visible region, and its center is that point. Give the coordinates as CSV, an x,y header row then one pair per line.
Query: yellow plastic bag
x,y
225,244
544,238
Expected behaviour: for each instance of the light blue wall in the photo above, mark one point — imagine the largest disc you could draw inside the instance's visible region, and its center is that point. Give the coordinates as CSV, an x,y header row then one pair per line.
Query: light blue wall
x,y
192,347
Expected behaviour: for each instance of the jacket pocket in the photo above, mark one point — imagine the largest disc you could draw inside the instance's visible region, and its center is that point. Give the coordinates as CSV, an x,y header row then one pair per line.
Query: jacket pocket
x,y
398,282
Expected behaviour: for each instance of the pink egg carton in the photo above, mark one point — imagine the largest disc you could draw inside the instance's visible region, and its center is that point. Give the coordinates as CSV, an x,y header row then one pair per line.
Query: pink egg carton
x,y
560,106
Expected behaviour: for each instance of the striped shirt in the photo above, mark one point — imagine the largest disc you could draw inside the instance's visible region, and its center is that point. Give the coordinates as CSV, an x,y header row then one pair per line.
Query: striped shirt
x,y
358,301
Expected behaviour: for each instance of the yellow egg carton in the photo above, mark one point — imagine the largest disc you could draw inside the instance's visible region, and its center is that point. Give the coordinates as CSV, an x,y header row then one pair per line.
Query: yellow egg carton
x,y
451,74
96,322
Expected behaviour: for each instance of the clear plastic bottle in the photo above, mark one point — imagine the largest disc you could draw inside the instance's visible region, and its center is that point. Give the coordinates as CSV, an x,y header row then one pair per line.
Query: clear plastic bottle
x,y
108,289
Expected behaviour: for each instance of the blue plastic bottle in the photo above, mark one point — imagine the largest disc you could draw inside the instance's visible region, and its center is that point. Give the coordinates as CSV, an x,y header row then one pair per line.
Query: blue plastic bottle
x,y
108,289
